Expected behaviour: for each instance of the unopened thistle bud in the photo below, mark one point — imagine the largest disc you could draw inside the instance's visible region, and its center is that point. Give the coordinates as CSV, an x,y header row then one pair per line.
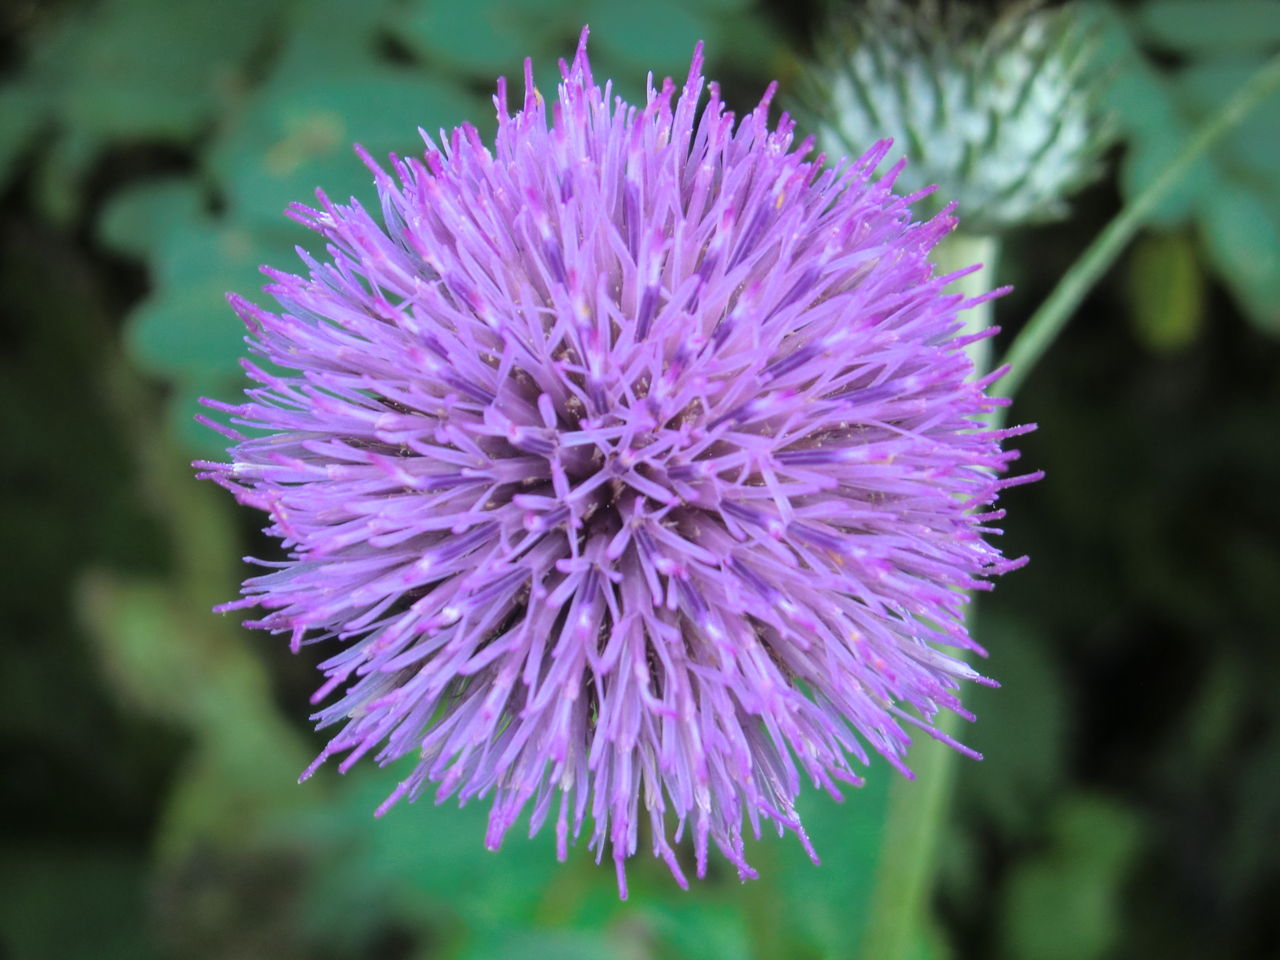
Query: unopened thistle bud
x,y
1001,116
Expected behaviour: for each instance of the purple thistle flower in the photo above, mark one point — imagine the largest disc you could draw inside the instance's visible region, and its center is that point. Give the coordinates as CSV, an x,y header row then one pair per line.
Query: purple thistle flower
x,y
635,461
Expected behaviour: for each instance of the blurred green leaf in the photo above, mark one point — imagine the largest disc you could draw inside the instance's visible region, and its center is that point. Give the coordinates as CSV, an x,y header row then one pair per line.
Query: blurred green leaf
x,y
1139,99
139,219
698,928
132,624
1247,154
1232,194
1021,728
185,328
1166,292
658,35
428,861
724,7
497,943
60,181
960,860
1065,903
1241,231
81,902
1256,811
1145,111
196,439
752,46
821,911
422,858
21,116
191,669
148,68
1203,733
226,793
294,139
1240,217
485,39
325,40
1198,26
712,920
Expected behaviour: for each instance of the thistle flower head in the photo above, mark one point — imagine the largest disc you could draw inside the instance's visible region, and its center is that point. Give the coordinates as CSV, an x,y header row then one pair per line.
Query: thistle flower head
x,y
633,468
1002,116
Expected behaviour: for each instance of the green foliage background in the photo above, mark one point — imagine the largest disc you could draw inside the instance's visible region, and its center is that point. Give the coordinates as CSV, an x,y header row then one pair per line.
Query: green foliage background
x,y
1129,805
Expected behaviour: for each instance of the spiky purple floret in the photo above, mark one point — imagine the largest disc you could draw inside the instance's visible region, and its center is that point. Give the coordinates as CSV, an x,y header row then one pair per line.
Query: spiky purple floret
x,y
638,460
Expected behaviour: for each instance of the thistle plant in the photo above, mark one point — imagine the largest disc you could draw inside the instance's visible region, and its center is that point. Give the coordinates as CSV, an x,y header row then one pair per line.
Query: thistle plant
x,y
643,458
635,466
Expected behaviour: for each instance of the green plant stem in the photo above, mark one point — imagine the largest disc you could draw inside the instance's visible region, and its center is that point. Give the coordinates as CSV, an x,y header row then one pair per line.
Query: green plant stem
x,y
1047,322
960,250
899,921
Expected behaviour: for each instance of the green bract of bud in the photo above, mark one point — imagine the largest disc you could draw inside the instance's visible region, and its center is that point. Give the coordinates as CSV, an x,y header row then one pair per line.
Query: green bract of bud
x,y
1001,115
